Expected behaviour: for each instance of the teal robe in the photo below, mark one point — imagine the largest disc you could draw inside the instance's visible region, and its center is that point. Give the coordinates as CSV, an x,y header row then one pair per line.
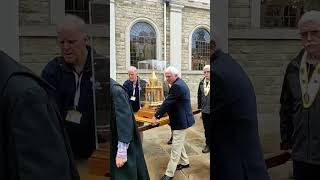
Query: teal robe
x,y
124,129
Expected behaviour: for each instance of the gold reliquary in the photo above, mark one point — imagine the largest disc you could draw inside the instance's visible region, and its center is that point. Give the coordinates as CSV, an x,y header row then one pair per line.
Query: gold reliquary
x,y
153,97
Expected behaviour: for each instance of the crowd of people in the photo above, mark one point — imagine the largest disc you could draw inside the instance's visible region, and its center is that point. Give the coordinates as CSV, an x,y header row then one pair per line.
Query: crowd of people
x,y
48,122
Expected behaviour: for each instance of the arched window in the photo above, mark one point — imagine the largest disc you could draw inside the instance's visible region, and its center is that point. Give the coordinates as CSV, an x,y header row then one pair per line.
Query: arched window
x,y
142,43
200,49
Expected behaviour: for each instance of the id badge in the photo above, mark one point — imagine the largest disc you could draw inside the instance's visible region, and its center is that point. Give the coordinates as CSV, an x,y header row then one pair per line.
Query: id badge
x,y
73,116
133,98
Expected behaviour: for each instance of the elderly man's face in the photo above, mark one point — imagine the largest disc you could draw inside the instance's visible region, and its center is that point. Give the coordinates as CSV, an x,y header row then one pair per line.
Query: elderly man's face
x,y
72,43
310,33
171,78
133,76
206,72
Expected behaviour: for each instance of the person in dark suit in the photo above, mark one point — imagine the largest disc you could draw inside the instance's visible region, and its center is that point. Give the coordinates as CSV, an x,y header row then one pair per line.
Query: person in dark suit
x,y
178,106
127,160
33,141
300,102
234,129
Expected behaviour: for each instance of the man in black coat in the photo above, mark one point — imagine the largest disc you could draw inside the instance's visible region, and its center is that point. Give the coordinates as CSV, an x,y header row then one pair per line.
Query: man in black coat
x,y
300,102
127,159
178,106
237,151
72,76
33,142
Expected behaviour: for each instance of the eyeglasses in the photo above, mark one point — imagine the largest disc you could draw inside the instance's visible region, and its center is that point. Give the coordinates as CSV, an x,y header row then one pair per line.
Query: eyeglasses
x,y
206,71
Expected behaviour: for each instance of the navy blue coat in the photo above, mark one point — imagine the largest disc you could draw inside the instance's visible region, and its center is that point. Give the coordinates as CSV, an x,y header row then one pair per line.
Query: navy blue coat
x,y
178,106
237,152
60,75
139,92
33,142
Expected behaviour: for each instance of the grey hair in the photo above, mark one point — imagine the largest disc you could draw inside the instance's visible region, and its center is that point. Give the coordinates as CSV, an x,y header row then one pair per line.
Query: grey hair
x,y
133,68
206,66
172,70
310,16
72,21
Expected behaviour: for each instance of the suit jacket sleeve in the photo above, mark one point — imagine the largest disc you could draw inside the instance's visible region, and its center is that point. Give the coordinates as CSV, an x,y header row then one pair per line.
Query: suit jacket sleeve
x,y
170,101
37,137
123,114
286,124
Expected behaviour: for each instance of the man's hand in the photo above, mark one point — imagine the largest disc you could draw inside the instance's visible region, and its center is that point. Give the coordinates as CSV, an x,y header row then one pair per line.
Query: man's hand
x,y
154,121
120,162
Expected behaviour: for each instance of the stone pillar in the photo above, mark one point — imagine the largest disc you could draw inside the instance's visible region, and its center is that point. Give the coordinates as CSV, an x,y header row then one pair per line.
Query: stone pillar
x,y
113,61
9,31
175,35
219,22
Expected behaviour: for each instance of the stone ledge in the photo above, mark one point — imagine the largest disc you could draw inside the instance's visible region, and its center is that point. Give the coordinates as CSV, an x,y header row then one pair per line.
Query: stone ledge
x,y
50,30
273,34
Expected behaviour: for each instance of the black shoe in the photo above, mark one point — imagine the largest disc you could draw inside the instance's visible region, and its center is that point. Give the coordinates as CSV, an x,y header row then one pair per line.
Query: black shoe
x,y
170,141
180,166
165,177
206,149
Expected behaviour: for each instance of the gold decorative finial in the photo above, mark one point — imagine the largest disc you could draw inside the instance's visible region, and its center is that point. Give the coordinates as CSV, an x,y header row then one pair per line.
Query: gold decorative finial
x,y
153,76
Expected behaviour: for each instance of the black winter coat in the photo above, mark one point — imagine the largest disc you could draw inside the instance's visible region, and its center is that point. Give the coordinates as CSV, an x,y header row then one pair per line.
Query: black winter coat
x,y
33,142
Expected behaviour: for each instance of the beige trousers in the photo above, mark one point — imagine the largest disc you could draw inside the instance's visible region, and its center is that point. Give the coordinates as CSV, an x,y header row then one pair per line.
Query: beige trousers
x,y
178,152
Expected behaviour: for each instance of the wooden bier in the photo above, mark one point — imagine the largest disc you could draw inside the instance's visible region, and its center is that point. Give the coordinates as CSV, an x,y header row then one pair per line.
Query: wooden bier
x,y
99,163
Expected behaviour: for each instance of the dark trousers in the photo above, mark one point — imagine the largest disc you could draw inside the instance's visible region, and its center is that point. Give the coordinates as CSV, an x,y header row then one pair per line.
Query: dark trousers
x,y
306,171
206,126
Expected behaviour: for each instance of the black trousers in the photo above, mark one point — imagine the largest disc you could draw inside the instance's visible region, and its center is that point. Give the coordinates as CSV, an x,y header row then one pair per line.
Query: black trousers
x,y
306,171
206,126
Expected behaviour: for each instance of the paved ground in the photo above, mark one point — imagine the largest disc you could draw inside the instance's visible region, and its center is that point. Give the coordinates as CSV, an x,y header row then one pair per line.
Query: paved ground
x,y
157,154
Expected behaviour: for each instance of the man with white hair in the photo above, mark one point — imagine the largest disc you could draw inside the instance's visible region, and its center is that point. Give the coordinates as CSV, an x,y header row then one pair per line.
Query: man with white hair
x,y
178,106
300,102
204,105
71,75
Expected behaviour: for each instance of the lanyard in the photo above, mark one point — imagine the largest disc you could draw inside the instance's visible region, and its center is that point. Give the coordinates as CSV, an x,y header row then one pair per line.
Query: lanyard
x,y
134,89
77,93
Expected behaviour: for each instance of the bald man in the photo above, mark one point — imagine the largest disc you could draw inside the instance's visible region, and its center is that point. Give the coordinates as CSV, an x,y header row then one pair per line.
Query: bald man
x,y
71,75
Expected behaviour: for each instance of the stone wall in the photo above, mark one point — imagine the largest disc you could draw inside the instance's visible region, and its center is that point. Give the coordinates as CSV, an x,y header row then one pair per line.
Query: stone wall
x,y
191,18
36,52
239,14
126,13
34,12
265,61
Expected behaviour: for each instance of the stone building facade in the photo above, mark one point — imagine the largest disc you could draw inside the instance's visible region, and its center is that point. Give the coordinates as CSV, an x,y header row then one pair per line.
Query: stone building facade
x,y
181,19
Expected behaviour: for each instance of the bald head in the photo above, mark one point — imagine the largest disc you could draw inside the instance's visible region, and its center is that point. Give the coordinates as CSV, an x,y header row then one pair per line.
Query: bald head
x,y
72,40
72,22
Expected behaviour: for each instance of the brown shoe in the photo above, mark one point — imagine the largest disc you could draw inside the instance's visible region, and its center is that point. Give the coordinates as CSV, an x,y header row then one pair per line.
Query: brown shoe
x,y
206,149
